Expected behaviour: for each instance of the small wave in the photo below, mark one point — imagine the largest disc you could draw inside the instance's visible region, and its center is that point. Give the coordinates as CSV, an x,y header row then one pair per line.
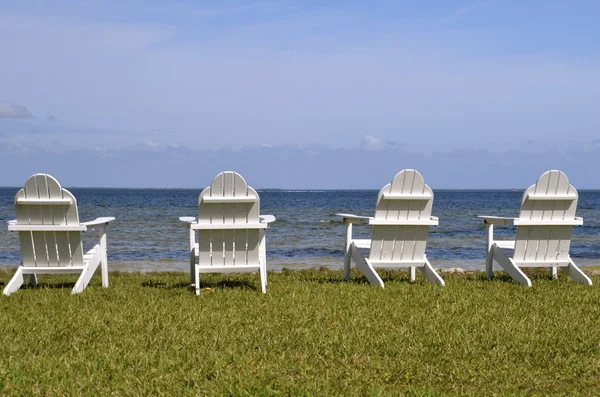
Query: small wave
x,y
303,191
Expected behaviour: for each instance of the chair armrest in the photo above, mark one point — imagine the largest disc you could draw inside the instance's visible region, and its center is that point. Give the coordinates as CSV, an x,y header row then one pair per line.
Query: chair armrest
x,y
188,219
99,221
351,218
12,222
496,220
266,218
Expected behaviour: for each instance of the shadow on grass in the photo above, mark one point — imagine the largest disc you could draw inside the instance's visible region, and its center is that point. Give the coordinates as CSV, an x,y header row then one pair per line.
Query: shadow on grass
x,y
320,279
163,285
229,284
534,274
222,284
322,275
327,276
57,285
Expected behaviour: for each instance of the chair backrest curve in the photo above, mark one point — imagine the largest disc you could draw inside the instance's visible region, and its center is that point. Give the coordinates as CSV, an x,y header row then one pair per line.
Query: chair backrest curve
x,y
551,200
44,202
228,184
399,204
228,200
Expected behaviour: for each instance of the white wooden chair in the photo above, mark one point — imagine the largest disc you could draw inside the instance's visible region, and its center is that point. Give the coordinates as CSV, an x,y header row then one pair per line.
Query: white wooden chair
x,y
50,235
400,225
231,231
544,229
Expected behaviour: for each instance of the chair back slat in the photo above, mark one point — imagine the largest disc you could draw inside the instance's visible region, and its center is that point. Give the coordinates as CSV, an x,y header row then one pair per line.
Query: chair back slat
x,y
228,200
48,248
406,198
551,198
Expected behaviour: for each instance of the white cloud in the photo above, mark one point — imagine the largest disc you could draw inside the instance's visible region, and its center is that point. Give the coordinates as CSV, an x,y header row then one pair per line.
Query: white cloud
x,y
9,111
371,143
269,80
468,9
150,143
329,170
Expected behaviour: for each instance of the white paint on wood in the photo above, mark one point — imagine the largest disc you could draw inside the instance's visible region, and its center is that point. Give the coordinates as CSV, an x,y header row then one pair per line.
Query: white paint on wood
x,y
47,228
544,230
230,230
42,201
230,226
228,200
548,222
400,228
553,197
414,222
404,196
50,235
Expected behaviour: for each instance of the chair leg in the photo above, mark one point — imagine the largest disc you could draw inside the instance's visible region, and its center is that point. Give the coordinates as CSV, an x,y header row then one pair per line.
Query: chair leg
x,y
576,273
84,279
15,283
412,271
81,282
33,279
509,267
489,258
91,265
103,256
192,266
553,272
192,242
431,274
263,278
489,262
365,266
262,257
196,280
347,252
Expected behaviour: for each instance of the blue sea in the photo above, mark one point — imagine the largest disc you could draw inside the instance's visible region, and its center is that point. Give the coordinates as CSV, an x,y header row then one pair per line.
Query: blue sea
x,y
148,236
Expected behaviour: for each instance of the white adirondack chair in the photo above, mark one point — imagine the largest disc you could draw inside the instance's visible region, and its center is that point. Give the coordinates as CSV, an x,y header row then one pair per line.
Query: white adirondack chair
x,y
400,225
50,235
544,229
231,231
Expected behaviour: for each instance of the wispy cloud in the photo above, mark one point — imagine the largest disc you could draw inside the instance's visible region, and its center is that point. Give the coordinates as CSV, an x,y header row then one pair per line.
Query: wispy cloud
x,y
327,168
232,10
371,143
204,12
150,143
298,75
468,9
9,111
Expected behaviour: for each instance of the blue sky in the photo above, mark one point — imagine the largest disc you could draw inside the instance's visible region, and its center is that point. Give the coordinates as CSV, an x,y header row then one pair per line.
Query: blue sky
x,y
299,94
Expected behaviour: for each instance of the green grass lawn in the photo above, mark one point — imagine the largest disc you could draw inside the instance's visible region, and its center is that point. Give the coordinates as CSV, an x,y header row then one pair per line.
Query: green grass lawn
x,y
311,334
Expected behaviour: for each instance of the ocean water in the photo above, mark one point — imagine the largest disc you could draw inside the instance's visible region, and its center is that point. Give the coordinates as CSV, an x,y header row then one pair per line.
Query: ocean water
x,y
148,236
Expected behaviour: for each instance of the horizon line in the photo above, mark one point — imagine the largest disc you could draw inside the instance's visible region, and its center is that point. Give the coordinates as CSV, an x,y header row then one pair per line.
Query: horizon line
x,y
290,190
